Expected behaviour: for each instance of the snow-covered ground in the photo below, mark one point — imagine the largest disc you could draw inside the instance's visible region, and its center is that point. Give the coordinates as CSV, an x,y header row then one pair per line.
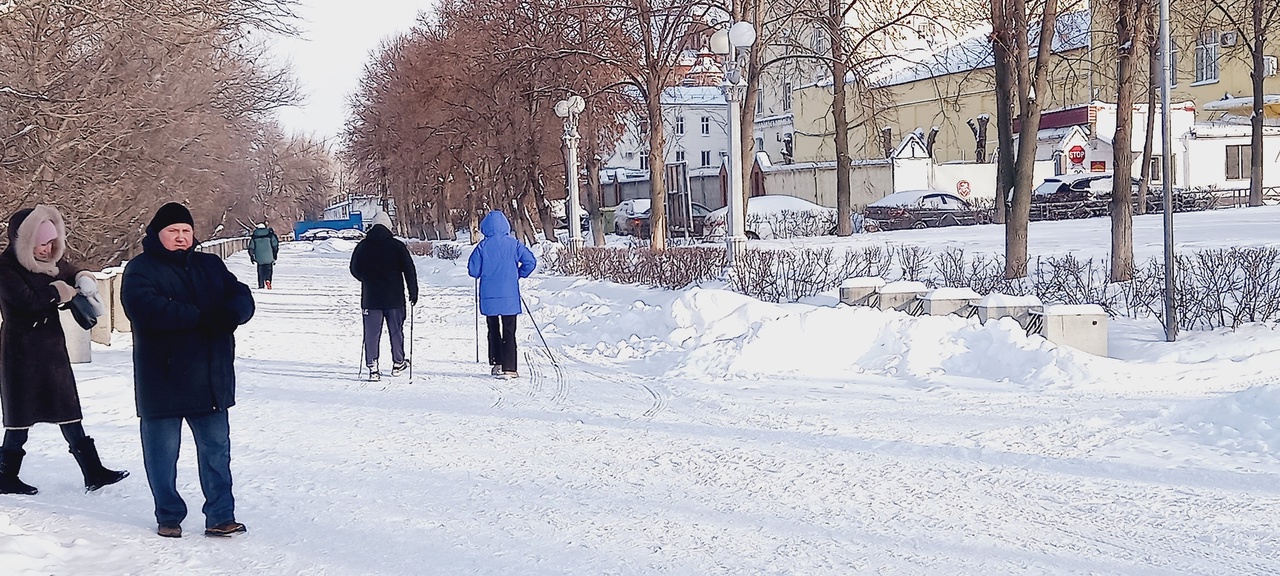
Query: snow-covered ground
x,y
699,432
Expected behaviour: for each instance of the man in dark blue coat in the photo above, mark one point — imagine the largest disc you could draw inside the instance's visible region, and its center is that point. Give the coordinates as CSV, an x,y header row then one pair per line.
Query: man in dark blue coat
x,y
384,268
499,262
185,307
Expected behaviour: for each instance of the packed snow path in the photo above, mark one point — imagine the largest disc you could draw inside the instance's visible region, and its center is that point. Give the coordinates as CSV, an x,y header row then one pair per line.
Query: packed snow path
x,y
635,455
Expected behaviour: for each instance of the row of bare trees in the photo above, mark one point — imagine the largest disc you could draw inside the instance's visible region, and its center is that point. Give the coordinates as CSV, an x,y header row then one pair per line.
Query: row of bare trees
x,y
109,108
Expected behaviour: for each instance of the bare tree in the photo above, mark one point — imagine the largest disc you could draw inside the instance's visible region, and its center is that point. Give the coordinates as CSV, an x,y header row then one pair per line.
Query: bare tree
x,y
1252,20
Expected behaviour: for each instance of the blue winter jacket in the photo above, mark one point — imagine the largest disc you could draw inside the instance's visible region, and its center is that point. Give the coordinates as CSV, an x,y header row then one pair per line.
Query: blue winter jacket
x,y
500,261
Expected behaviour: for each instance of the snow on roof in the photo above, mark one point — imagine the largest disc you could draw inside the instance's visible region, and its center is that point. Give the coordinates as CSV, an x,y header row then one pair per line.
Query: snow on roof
x,y
972,51
692,95
1227,104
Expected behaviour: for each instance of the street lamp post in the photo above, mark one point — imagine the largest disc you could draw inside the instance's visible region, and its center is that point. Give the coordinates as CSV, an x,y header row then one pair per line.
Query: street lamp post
x,y
727,42
569,109
1166,177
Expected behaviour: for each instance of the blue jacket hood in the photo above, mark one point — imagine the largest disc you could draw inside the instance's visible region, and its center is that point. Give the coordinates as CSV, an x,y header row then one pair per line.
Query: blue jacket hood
x,y
495,225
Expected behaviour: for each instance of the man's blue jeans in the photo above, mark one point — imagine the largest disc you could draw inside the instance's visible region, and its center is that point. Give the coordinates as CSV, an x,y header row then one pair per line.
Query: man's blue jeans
x,y
161,438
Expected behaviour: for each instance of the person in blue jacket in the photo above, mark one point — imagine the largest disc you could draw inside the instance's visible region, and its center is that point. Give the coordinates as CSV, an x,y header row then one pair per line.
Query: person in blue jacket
x,y
499,262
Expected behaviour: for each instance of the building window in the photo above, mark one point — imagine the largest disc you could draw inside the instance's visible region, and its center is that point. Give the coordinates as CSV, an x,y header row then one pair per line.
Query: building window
x,y
818,41
1155,170
759,144
679,155
1238,158
644,160
759,104
679,124
706,124
786,96
1207,57
706,157
1173,63
1268,66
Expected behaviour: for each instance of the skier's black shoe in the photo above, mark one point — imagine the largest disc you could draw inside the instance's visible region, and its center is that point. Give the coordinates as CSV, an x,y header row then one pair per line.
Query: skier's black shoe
x,y
375,376
399,367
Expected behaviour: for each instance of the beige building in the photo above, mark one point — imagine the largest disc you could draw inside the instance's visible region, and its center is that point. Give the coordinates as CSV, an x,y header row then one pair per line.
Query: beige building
x,y
949,90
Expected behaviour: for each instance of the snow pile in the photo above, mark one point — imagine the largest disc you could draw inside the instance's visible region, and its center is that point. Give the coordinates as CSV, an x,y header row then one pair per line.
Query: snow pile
x,y
1247,421
333,246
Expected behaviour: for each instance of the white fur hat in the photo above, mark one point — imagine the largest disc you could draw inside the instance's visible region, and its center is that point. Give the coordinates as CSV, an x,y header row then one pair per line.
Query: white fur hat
x,y
382,219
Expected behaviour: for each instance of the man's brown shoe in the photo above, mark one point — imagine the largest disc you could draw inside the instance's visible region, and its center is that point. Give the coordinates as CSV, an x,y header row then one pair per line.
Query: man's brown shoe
x,y
226,529
169,530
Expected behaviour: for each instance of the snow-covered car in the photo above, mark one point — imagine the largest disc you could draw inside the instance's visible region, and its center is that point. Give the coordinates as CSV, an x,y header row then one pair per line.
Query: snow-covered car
x,y
327,233
921,209
1065,196
776,216
625,211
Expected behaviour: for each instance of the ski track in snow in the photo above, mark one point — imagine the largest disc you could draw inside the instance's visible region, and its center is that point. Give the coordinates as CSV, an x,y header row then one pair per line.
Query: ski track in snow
x,y
587,465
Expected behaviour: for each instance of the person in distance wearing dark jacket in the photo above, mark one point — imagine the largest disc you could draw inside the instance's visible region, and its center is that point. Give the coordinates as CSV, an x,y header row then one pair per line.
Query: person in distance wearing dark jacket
x,y
185,307
384,268
36,381
264,247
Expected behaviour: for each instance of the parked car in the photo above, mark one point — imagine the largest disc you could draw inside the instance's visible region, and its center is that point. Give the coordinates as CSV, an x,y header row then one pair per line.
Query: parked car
x,y
639,223
921,209
1066,196
626,210
776,216
327,233
561,219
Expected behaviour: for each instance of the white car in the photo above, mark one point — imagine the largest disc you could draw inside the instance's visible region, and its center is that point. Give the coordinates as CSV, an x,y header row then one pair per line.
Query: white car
x,y
776,216
625,211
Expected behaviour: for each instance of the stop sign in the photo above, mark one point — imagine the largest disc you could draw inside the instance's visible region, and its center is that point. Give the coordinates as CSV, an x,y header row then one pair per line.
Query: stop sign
x,y
1076,154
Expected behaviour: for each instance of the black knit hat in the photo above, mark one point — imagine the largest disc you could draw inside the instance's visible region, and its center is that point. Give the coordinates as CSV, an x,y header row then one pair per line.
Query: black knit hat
x,y
168,215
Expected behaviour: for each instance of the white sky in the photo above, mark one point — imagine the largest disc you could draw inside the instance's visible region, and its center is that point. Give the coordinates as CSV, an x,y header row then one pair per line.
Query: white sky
x,y
328,59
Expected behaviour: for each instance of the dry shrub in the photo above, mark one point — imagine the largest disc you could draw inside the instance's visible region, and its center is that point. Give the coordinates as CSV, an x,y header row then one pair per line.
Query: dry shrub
x,y
420,247
448,251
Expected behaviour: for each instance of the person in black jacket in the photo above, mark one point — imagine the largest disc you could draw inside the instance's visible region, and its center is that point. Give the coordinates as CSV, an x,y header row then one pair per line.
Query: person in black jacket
x,y
185,307
384,268
36,381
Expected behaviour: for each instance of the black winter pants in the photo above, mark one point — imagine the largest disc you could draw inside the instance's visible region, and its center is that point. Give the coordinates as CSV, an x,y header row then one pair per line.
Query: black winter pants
x,y
502,341
16,438
264,274
373,319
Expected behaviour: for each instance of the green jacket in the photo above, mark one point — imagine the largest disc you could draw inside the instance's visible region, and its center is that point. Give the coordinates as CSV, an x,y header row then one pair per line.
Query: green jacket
x,y
264,246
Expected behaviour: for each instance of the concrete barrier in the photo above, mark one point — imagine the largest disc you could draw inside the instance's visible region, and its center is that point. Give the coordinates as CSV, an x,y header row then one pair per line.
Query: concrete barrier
x,y
996,305
944,301
101,332
1083,327
79,347
861,291
119,321
903,296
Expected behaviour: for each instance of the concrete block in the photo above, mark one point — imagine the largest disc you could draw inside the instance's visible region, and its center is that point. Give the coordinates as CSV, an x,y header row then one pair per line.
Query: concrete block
x,y
119,321
944,301
861,291
101,332
996,305
79,347
1083,327
903,296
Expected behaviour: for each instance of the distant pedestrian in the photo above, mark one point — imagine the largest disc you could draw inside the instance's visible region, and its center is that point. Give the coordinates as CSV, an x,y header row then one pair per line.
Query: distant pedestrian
x,y
185,307
264,247
384,268
499,261
36,381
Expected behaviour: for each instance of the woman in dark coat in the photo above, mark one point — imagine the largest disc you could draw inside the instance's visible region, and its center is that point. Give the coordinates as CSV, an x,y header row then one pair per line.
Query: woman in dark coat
x,y
36,381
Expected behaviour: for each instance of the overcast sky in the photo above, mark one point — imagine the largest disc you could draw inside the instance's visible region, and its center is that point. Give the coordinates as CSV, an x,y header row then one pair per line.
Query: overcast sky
x,y
329,57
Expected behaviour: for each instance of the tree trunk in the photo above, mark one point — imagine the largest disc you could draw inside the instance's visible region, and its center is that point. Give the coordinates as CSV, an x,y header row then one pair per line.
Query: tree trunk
x,y
1032,85
594,196
1154,70
1122,147
1255,139
657,169
1004,109
840,114
752,14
